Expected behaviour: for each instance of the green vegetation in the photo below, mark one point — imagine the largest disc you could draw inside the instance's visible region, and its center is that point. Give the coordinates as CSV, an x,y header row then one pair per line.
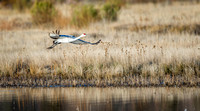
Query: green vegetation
x,y
83,15
43,12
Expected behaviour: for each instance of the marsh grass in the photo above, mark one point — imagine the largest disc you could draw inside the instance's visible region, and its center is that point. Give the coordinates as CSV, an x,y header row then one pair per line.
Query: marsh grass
x,y
143,63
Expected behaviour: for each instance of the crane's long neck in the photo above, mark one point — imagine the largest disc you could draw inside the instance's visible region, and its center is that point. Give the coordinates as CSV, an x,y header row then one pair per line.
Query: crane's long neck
x,y
80,37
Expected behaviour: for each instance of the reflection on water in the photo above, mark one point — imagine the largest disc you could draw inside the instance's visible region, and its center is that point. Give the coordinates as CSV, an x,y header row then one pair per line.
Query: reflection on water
x,y
100,99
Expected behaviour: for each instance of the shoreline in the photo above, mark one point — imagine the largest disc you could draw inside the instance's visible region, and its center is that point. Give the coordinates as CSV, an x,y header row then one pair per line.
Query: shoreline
x,y
124,82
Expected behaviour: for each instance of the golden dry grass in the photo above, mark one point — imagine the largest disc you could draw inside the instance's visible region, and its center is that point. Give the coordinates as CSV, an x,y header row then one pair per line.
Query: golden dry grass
x,y
124,57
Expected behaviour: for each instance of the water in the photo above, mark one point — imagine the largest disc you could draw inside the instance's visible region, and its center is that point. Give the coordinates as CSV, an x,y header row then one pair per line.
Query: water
x,y
100,99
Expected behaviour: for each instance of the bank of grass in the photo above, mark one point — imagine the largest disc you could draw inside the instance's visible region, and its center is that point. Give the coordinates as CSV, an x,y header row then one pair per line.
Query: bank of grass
x,y
143,57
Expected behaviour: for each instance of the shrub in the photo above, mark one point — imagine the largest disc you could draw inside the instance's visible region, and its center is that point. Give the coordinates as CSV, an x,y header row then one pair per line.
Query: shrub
x,y
111,9
43,12
22,4
167,69
17,4
83,15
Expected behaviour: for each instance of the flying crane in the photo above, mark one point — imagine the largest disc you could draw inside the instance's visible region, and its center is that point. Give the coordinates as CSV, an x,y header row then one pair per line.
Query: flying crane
x,y
68,39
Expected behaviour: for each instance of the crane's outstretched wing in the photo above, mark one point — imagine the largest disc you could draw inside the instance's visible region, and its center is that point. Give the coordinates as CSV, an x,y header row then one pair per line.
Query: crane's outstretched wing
x,y
80,41
67,36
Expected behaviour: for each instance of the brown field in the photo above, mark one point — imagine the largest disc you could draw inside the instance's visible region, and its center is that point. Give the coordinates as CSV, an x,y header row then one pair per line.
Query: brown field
x,y
149,45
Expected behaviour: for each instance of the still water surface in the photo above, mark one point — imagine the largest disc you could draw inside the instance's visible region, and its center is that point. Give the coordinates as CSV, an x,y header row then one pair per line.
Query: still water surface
x,y
100,99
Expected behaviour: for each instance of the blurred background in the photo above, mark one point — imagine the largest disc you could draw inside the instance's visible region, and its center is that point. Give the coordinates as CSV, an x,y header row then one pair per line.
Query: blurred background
x,y
26,14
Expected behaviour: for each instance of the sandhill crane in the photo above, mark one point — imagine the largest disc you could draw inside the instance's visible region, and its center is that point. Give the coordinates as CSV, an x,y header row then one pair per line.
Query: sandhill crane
x,y
68,39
